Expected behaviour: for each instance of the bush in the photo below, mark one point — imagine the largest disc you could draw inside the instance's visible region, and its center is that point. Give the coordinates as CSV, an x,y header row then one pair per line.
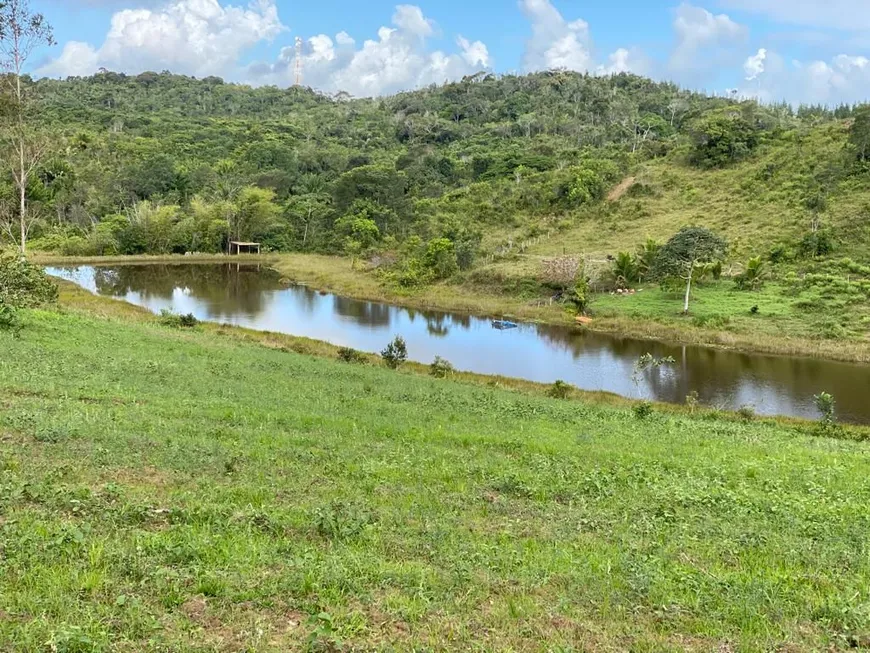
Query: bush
x,y
827,407
643,410
8,318
441,368
170,319
753,276
349,355
24,285
559,390
395,353
816,244
746,413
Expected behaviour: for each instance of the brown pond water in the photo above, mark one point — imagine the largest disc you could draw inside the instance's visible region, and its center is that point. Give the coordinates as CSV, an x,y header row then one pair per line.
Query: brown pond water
x,y
253,297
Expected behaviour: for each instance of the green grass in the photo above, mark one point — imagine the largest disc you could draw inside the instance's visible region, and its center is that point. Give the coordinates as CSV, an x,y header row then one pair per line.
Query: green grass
x,y
175,490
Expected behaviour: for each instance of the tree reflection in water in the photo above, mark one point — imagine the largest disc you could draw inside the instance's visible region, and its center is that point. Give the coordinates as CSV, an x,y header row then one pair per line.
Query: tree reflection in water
x,y
226,289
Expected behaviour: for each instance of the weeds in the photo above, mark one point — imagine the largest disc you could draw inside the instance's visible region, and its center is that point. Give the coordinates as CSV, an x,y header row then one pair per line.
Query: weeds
x,y
174,321
349,355
341,521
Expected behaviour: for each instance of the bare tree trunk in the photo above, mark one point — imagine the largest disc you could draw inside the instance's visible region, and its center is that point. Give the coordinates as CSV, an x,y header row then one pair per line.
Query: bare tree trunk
x,y
688,292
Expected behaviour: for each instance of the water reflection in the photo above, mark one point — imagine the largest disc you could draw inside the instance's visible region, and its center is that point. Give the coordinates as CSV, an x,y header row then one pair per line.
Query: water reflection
x,y
253,297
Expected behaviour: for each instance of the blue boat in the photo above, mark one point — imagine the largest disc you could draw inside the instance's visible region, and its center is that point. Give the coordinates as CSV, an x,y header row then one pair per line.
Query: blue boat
x,y
504,324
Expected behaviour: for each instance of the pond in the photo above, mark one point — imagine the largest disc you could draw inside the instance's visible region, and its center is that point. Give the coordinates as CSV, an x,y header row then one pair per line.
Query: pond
x,y
253,296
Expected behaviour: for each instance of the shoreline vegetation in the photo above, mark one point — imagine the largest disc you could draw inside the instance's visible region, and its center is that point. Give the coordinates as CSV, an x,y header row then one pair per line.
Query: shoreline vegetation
x,y
336,275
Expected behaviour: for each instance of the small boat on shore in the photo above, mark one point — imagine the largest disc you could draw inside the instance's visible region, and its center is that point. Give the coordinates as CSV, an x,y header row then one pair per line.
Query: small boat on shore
x,y
502,325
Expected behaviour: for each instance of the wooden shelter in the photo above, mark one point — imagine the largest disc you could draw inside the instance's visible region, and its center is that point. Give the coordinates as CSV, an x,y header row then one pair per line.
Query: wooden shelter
x,y
237,245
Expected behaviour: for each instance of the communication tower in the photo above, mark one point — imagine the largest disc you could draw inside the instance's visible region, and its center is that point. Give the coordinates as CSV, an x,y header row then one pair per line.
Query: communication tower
x,y
298,61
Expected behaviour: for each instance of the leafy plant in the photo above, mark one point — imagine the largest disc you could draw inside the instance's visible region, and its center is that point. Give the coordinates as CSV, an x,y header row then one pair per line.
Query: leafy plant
x,y
642,410
24,285
646,258
9,320
827,407
753,276
560,390
175,321
341,521
349,355
395,353
441,368
625,269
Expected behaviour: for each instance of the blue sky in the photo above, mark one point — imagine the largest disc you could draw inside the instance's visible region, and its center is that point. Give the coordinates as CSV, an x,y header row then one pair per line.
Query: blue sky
x,y
797,50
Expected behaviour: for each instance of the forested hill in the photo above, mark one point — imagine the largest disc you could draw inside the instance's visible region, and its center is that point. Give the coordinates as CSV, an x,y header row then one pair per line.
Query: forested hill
x,y
438,178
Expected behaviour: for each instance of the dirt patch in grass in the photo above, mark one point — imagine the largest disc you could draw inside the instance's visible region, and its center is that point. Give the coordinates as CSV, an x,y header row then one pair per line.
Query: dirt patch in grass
x,y
616,194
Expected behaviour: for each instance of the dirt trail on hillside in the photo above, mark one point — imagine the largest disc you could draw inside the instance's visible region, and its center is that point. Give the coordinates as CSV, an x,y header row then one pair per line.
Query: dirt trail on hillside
x,y
620,190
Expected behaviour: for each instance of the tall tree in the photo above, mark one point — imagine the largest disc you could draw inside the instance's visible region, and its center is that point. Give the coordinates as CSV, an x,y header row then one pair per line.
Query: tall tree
x,y
686,253
21,32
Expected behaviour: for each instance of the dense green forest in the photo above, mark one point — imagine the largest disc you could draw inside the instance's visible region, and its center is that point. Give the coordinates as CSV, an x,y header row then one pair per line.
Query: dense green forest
x,y
161,163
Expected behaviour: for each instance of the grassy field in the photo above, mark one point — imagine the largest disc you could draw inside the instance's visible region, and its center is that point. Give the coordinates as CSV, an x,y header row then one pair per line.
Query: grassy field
x,y
195,490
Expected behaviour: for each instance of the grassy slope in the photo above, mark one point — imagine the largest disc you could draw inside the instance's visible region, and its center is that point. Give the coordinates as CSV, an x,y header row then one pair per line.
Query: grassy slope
x,y
168,490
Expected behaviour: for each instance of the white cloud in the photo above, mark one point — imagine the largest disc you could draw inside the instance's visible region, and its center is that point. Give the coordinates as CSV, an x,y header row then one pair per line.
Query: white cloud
x,y
625,61
397,60
837,14
196,37
754,65
475,54
703,42
843,79
411,20
555,42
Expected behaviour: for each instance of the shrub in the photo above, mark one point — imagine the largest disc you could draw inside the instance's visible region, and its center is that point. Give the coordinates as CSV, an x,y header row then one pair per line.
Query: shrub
x,y
170,319
827,407
625,269
746,413
753,276
441,368
780,253
642,410
559,390
8,318
817,243
395,353
24,285
349,355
